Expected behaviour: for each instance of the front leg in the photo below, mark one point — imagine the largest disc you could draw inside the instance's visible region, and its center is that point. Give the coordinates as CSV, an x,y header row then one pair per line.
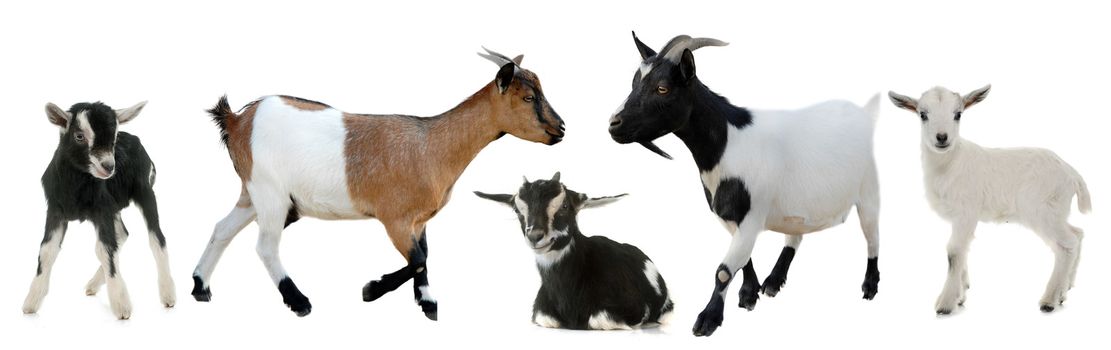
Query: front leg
x,y
110,236
740,252
952,295
48,252
421,292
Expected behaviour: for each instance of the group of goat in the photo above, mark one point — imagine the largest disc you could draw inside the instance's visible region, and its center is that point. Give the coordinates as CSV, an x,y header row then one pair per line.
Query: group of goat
x,y
793,172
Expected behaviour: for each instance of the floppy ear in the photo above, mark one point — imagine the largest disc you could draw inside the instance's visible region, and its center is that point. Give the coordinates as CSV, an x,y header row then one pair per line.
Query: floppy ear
x,y
505,76
127,114
506,199
58,116
686,65
645,51
518,59
903,102
976,96
599,201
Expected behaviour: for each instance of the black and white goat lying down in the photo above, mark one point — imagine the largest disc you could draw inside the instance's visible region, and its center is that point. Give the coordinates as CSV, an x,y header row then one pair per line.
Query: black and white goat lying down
x,y
586,282
96,172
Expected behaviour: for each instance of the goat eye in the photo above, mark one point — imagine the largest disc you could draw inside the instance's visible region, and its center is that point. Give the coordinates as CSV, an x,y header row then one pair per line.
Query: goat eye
x,y
530,98
661,90
923,115
957,116
80,137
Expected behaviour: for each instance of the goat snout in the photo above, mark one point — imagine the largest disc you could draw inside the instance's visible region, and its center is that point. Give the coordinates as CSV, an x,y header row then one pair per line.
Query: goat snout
x,y
110,167
615,121
942,138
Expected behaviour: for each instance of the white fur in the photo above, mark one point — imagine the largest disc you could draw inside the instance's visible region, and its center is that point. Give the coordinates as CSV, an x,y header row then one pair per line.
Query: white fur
x,y
425,294
165,282
966,184
603,321
652,275
543,320
550,257
225,231
118,298
281,133
645,68
804,170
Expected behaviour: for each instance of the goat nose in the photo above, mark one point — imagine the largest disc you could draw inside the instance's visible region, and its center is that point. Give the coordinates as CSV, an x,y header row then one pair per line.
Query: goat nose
x,y
108,166
615,120
942,138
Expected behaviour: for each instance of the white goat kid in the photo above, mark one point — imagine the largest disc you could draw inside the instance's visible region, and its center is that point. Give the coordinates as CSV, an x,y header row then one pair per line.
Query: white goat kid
x,y
966,184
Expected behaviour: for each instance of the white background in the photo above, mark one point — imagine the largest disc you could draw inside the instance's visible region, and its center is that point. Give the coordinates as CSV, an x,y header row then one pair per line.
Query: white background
x,y
1047,63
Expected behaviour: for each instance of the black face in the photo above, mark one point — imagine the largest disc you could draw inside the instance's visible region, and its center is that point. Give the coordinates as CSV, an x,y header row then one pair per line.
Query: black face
x,y
546,210
88,139
660,102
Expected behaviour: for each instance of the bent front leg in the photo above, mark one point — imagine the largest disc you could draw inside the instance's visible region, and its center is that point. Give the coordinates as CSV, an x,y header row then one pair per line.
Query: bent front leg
x,y
740,252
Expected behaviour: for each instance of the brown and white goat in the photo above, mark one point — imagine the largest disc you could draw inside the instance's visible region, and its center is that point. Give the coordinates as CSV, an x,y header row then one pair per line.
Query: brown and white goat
x,y
297,158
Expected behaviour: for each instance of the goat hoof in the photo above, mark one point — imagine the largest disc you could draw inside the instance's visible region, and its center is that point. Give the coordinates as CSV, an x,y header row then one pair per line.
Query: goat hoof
x,y
942,312
302,309
870,291
200,292
710,318
1047,308
429,308
772,286
749,296
372,291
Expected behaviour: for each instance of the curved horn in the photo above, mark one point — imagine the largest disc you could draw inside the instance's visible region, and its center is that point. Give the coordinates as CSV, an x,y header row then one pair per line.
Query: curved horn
x,y
674,48
497,58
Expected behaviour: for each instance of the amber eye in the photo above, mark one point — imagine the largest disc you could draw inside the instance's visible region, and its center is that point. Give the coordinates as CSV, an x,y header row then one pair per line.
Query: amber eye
x,y
530,98
661,90
80,137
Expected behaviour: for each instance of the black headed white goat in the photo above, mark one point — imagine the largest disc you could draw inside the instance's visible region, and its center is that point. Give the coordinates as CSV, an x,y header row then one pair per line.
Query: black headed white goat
x,y
96,172
586,282
792,172
967,184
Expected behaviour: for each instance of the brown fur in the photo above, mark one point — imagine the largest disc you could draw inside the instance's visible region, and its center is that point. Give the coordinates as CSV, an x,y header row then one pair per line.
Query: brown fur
x,y
239,140
303,104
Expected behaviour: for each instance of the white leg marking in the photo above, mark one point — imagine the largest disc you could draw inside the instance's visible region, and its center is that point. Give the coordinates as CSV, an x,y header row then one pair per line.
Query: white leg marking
x,y
225,231
652,275
48,253
95,282
603,321
543,320
117,290
166,291
425,294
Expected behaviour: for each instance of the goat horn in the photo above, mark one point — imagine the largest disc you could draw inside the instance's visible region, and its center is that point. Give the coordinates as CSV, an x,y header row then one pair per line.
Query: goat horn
x,y
497,58
674,48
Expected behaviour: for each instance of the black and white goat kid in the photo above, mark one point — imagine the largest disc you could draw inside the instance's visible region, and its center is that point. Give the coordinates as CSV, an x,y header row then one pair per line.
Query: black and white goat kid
x,y
96,172
789,171
586,282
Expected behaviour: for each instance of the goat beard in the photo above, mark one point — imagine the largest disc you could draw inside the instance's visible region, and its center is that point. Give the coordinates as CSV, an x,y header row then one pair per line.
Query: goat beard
x,y
655,149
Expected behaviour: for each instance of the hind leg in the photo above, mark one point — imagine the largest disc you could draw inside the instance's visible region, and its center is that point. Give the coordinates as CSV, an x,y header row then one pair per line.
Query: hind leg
x,y
1076,259
93,286
274,209
403,235
868,211
222,235
149,207
778,277
48,253
1065,246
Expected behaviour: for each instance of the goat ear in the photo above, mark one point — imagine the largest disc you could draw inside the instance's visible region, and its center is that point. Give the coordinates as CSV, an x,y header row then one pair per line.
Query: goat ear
x,y
506,199
58,116
505,76
976,96
645,51
686,65
903,102
555,178
127,114
518,59
600,201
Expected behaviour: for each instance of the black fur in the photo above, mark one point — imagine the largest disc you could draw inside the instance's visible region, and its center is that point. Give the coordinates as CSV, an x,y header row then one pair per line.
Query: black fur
x,y
293,298
871,279
778,277
596,274
220,114
200,292
750,287
712,315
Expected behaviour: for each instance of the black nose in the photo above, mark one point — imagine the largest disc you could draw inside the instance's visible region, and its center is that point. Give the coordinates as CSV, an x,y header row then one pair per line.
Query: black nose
x,y
941,138
615,121
109,167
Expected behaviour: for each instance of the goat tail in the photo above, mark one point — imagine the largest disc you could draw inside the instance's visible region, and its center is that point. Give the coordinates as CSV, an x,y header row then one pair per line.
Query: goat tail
x,y
873,106
224,117
1083,199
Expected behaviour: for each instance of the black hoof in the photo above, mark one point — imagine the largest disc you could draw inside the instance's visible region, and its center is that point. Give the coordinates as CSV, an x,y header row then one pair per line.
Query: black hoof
x,y
710,319
772,285
429,308
749,296
301,310
1048,308
373,290
943,312
200,293
870,290
293,298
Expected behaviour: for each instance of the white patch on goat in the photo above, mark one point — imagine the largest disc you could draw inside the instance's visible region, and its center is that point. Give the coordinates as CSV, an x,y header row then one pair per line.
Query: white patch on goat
x,y
522,207
425,294
118,298
84,127
543,320
300,153
620,108
652,275
165,282
603,321
645,68
546,259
